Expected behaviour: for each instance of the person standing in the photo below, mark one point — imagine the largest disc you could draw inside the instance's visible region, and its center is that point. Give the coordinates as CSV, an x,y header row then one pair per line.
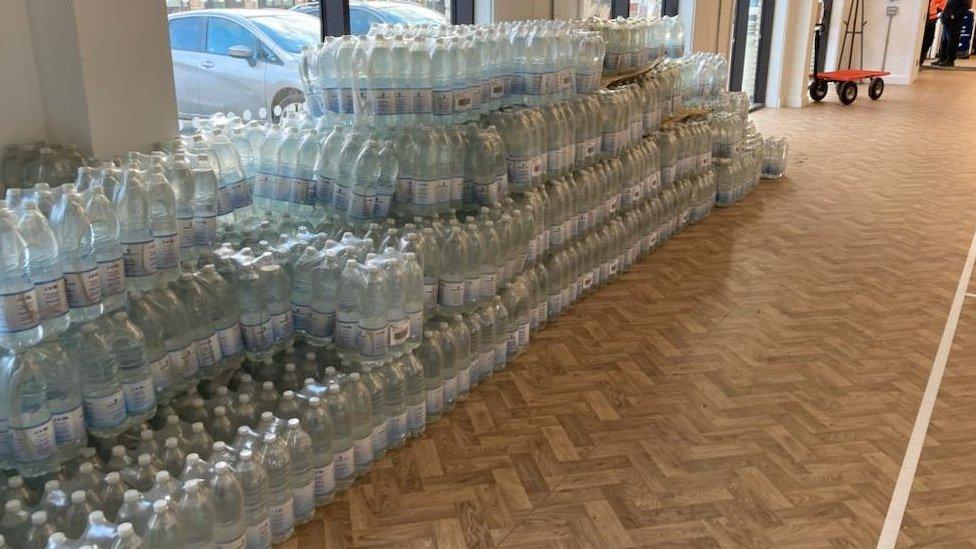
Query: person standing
x,y
952,17
935,6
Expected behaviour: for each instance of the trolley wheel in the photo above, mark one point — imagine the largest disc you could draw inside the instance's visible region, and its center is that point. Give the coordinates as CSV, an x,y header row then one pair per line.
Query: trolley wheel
x,y
818,90
876,88
847,92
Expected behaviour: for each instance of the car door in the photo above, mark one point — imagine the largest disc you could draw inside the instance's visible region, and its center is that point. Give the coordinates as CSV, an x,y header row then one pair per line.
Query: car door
x,y
187,39
230,84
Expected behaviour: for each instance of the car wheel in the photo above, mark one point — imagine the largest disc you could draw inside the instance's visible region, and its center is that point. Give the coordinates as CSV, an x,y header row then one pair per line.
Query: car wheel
x,y
288,98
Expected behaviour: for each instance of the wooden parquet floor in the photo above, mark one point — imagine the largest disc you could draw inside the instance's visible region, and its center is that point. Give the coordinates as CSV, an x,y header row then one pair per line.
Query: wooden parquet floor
x,y
751,384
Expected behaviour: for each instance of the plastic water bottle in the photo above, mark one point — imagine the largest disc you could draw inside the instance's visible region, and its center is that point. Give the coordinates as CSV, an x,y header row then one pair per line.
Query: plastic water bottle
x,y
197,514
26,416
135,510
138,246
431,356
76,516
15,523
226,317
76,238
276,460
204,204
113,492
126,537
278,287
99,531
20,316
39,531
164,224
54,502
108,249
127,345
45,270
343,453
255,319
102,395
228,506
347,316
317,422
63,393
200,309
302,475
254,484
166,528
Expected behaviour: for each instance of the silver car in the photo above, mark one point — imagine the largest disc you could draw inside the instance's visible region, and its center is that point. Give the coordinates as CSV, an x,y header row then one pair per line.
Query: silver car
x,y
232,60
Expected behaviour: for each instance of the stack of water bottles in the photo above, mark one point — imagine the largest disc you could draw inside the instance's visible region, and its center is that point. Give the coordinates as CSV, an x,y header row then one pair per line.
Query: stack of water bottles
x,y
637,43
258,311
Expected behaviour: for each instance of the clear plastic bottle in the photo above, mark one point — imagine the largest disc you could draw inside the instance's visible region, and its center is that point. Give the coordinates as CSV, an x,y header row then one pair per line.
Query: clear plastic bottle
x,y
431,356
372,377
276,459
76,238
63,392
317,422
15,523
196,512
138,245
165,529
200,309
135,510
102,395
45,270
254,484
255,318
39,531
127,345
26,416
227,496
108,249
204,204
226,317
76,516
302,475
99,531
164,224
20,315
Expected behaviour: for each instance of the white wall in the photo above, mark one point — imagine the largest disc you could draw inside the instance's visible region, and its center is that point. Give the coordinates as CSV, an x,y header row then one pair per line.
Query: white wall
x,y
904,43
22,115
791,52
96,73
487,11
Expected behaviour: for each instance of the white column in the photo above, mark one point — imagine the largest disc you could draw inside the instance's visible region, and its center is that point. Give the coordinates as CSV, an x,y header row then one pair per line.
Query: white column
x,y
105,73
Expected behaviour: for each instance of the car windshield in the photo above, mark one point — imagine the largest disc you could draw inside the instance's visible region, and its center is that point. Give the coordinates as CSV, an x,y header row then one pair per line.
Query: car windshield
x,y
291,31
414,15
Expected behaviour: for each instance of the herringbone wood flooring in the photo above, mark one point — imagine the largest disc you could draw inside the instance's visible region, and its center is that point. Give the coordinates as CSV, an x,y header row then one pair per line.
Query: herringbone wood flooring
x,y
751,384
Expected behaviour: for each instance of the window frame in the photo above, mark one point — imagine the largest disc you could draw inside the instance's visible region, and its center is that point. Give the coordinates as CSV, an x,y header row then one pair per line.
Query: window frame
x,y
255,48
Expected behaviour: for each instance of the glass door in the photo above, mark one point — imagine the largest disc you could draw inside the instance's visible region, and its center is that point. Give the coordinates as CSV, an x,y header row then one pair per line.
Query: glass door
x,y
750,48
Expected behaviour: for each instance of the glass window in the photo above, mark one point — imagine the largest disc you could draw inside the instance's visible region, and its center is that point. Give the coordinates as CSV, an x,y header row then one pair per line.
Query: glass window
x,y
224,33
290,31
413,15
360,21
752,48
187,33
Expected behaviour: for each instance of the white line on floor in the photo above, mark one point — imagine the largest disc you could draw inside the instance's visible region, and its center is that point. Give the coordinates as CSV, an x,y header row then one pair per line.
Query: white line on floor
x,y
899,498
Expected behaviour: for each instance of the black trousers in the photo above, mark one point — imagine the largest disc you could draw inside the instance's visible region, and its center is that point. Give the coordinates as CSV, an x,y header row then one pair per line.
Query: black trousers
x,y
927,38
950,41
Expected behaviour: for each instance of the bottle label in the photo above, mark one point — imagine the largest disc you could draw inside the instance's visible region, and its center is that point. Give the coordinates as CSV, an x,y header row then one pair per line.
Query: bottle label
x,y
139,258
403,192
472,289
53,301
204,231
511,344
497,88
416,416
162,373
83,289
33,444
357,206
258,337
282,518
283,325
416,322
299,316
69,427
112,276
521,170
404,101
324,480
489,284
345,335
19,311
320,324
487,361
231,340
259,535
423,101
379,436
372,342
185,226
363,451
105,412
424,192
223,202
323,190
450,388
140,396
555,159
239,197
345,463
396,426
501,352
435,400
168,251
523,334
381,208
304,498
443,102
399,332
451,294
430,293
457,189
464,379
383,101
443,191
238,543
208,350
486,193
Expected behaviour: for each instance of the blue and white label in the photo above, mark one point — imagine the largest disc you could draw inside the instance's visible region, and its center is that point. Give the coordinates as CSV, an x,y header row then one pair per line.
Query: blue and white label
x,y
32,444
168,251
282,518
396,427
259,535
324,480
372,342
416,416
304,500
283,325
435,400
208,351
231,340
363,451
204,230
320,324
345,463
162,373
258,337
111,274
140,396
69,427
105,412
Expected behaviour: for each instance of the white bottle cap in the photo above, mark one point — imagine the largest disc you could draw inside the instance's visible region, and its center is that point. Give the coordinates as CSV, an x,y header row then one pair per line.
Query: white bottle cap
x,y
78,496
159,506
